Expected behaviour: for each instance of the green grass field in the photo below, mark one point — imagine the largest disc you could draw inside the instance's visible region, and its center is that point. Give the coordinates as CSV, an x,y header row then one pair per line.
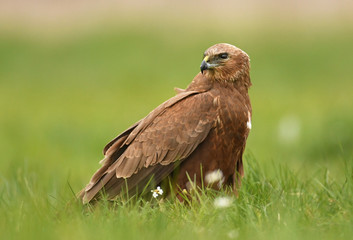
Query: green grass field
x,y
63,99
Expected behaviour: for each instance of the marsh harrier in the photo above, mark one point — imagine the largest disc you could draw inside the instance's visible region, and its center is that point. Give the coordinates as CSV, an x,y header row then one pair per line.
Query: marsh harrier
x,y
201,130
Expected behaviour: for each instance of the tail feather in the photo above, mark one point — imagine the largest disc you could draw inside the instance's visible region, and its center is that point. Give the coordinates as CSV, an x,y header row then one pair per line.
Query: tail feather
x,y
112,152
112,186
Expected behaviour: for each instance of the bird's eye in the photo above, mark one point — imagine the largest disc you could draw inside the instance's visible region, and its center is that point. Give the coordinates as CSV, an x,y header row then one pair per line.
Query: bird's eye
x,y
223,55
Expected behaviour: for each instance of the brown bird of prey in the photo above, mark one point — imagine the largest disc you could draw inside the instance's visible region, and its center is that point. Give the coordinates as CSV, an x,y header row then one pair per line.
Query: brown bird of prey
x,y
200,132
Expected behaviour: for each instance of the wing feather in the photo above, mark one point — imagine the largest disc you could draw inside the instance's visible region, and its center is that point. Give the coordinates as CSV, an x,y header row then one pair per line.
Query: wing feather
x,y
169,133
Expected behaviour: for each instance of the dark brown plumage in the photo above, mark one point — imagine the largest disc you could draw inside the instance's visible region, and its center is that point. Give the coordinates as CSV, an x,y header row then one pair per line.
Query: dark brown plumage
x,y
205,125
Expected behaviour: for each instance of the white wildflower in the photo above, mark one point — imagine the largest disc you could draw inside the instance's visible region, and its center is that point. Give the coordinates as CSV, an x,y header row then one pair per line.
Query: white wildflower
x,y
156,192
214,176
223,202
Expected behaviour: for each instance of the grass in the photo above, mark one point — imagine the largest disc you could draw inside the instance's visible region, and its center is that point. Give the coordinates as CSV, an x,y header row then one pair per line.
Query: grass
x,y
279,206
61,100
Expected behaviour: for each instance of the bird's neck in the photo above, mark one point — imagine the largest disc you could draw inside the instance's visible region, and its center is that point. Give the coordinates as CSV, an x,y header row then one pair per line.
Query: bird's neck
x,y
242,84
203,83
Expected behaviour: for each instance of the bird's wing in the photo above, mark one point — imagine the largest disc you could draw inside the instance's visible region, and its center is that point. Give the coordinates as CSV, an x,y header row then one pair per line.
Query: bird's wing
x,y
169,133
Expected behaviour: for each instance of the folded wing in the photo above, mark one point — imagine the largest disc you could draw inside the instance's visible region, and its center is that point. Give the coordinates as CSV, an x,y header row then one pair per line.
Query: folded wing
x,y
170,133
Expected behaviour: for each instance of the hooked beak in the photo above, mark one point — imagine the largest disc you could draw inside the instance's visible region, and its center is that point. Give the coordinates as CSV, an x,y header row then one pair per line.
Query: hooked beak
x,y
203,66
206,65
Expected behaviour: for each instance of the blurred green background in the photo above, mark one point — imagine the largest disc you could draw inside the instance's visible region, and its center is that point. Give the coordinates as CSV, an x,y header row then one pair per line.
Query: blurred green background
x,y
74,75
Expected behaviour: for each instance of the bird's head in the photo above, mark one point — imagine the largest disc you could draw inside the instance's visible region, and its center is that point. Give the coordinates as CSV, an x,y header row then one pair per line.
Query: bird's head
x,y
225,62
